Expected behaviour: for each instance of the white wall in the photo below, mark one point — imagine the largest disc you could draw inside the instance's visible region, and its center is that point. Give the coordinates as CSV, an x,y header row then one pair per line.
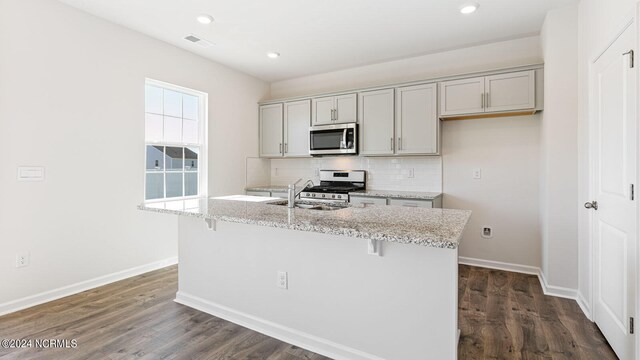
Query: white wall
x,y
478,58
599,21
507,196
559,149
72,99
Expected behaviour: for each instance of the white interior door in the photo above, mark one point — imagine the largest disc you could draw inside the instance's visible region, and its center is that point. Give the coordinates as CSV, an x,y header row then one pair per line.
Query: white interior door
x,y
614,231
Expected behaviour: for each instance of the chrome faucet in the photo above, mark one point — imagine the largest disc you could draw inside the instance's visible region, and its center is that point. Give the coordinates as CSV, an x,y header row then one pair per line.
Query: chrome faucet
x,y
292,193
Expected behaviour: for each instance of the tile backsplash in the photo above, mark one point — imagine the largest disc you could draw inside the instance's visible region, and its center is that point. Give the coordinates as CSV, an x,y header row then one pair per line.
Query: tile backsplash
x,y
419,173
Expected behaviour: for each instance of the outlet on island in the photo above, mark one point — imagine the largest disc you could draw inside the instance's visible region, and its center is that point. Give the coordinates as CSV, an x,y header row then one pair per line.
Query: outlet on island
x,y
487,232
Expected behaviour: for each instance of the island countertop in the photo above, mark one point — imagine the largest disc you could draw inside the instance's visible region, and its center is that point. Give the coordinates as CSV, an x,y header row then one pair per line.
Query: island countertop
x,y
441,228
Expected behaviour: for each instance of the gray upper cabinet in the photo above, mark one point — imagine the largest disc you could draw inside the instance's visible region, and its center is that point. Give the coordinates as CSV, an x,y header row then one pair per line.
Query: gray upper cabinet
x,y
403,121
417,123
334,109
376,122
507,92
284,129
464,96
271,130
512,91
297,119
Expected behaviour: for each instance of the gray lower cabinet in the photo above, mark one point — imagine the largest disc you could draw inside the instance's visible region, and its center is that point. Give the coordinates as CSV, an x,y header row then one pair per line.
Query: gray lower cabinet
x,y
435,203
258,193
367,200
278,194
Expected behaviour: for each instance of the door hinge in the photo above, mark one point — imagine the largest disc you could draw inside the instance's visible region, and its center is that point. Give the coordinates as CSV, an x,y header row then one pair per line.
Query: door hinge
x,y
631,59
631,327
633,194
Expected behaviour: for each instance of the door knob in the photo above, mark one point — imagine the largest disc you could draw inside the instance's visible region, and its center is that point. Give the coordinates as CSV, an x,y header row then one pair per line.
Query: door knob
x,y
591,205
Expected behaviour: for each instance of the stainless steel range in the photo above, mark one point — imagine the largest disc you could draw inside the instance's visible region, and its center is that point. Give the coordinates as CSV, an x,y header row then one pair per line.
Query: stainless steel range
x,y
335,185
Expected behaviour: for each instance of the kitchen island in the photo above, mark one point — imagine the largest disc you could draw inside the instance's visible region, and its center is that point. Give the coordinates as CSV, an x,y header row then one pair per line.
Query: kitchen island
x,y
359,282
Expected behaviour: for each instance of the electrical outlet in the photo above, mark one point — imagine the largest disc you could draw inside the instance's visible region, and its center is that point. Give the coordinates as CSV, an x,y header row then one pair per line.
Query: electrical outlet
x,y
22,259
477,173
487,232
411,174
283,280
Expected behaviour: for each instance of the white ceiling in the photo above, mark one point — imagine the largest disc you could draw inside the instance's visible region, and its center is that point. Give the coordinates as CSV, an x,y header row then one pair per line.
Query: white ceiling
x,y
322,35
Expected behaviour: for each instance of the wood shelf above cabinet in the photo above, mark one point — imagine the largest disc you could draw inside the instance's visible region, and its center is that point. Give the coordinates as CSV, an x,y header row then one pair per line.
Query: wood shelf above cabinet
x,y
488,115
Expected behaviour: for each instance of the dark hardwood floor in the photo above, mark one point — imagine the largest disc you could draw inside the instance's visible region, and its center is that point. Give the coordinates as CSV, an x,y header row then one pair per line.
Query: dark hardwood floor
x,y
502,316
505,315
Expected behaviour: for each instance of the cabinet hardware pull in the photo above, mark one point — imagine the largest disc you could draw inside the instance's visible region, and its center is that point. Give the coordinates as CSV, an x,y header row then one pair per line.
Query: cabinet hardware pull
x,y
488,96
399,143
482,100
336,114
391,144
286,148
280,148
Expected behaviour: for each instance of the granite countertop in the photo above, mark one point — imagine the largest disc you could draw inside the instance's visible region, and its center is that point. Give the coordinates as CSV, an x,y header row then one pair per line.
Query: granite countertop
x,y
397,194
277,188
441,228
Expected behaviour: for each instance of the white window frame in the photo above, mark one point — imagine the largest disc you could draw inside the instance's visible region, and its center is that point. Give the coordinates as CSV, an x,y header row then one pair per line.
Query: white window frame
x,y
203,121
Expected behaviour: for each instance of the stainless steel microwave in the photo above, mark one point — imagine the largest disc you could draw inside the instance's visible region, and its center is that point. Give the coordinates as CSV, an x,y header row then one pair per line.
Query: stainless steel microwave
x,y
339,139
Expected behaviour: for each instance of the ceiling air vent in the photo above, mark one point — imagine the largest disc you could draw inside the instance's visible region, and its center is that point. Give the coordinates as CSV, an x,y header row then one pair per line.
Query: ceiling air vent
x,y
200,42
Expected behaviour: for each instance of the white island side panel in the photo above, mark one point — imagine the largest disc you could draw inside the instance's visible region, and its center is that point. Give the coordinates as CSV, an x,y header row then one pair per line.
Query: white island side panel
x,y
341,301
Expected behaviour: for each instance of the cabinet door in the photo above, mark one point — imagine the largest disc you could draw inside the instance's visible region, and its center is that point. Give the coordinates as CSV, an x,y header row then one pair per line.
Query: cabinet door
x,y
346,107
297,119
417,124
464,96
376,122
271,130
513,91
362,200
322,113
411,203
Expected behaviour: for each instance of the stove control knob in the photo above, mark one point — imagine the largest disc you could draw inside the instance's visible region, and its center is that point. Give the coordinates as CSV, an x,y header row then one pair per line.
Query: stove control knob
x,y
323,195
307,194
339,196
313,195
333,196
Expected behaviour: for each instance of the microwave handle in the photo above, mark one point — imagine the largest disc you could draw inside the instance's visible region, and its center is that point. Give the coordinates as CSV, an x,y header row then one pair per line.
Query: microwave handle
x,y
344,138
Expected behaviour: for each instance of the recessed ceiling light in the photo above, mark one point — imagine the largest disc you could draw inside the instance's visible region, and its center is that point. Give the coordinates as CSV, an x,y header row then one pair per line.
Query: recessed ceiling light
x,y
273,55
468,8
205,19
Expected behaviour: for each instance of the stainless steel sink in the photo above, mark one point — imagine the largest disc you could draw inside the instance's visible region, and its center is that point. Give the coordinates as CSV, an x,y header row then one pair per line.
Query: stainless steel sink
x,y
313,205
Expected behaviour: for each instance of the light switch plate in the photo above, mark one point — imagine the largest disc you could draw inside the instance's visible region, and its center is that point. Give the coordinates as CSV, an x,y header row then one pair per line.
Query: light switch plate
x,y
30,173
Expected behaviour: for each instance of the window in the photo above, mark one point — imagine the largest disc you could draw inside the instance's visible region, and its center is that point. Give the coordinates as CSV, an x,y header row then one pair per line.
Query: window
x,y
175,142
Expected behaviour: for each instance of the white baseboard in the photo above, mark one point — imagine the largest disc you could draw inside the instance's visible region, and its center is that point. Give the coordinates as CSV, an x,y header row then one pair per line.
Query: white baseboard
x,y
292,336
558,291
43,297
550,290
584,305
524,269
